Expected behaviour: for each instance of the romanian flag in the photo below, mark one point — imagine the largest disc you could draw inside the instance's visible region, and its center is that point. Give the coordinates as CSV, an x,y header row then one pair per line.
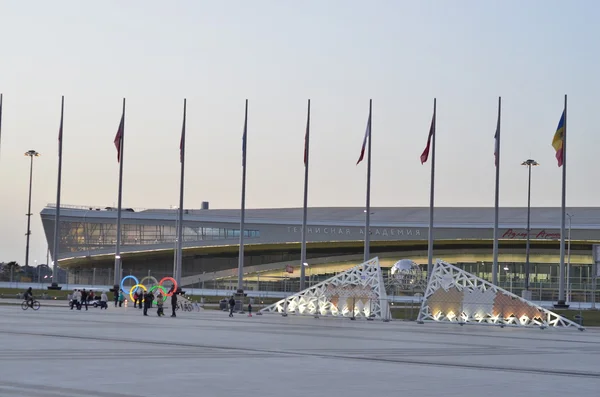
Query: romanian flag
x,y
558,140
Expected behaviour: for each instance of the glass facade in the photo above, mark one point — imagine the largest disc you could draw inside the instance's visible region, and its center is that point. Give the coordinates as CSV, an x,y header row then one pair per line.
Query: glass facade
x,y
88,236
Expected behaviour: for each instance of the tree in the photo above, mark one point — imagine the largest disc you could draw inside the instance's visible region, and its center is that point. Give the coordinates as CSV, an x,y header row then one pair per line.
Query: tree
x,y
10,269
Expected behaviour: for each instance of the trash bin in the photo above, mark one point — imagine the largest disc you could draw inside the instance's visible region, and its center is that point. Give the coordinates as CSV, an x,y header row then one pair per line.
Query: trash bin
x,y
579,319
223,304
239,306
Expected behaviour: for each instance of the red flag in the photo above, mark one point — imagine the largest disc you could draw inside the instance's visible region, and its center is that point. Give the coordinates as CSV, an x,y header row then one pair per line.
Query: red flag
x,y
119,138
364,145
425,154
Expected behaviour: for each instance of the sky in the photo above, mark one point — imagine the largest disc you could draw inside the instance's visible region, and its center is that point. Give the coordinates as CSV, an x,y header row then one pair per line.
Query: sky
x,y
277,54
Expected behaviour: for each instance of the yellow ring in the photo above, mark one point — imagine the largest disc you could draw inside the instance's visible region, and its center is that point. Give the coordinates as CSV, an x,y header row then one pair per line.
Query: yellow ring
x,y
134,288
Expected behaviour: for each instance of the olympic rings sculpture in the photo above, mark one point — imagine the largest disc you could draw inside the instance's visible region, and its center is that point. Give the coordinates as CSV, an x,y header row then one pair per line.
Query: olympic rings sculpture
x,y
138,286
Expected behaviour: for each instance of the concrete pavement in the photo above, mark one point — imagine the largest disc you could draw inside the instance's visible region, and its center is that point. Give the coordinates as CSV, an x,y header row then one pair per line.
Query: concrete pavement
x,y
119,353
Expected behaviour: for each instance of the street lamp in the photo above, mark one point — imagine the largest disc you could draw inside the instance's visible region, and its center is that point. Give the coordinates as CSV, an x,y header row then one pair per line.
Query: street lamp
x,y
32,154
569,259
528,163
509,276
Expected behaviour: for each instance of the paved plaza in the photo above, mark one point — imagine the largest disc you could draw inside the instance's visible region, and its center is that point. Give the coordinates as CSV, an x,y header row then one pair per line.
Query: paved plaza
x,y
118,352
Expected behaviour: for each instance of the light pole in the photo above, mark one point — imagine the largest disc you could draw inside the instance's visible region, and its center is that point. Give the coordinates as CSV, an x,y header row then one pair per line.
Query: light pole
x,y
569,260
509,276
528,163
32,154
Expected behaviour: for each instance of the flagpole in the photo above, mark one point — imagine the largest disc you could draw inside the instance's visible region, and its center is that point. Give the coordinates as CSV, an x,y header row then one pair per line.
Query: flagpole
x,y
368,201
431,195
240,285
305,208
181,186
55,246
497,196
561,283
118,269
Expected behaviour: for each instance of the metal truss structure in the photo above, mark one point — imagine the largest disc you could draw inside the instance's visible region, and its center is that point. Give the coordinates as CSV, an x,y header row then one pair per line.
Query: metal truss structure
x,y
455,296
356,293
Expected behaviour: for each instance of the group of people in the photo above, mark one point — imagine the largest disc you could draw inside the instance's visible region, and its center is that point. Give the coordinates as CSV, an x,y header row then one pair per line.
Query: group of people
x,y
81,297
144,300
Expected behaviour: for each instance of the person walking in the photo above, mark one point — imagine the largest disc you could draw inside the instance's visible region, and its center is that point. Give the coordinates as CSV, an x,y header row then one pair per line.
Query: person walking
x,y
159,304
146,299
135,300
173,301
121,298
231,306
140,298
103,301
116,292
84,298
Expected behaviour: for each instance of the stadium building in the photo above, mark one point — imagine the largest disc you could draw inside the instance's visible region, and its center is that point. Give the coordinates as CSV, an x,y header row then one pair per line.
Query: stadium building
x,y
463,236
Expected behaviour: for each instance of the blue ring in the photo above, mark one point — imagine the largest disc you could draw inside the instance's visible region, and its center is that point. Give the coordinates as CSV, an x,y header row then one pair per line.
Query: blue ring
x,y
123,288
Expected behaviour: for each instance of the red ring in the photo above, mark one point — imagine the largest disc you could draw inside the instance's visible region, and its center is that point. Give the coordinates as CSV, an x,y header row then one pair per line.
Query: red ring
x,y
169,279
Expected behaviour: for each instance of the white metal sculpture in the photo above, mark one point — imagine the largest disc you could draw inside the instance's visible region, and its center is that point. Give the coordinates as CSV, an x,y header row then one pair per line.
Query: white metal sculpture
x,y
357,293
456,296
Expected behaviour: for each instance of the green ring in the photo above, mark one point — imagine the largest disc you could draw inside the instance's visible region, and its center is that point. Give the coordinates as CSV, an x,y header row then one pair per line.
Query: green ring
x,y
164,290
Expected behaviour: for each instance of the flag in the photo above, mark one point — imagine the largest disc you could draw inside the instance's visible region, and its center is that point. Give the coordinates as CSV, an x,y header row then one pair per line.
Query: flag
x,y
306,144
496,143
425,154
119,138
364,145
244,146
60,128
182,143
557,141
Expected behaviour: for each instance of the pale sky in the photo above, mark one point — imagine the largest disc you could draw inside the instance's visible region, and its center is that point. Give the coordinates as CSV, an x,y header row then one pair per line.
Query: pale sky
x,y
278,54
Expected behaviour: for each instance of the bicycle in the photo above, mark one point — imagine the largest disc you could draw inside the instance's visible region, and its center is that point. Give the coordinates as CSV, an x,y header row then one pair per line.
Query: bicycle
x,y
35,305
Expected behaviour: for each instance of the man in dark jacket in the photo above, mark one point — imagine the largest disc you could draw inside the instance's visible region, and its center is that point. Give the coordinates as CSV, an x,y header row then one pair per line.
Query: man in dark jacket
x,y
147,300
231,306
84,298
173,301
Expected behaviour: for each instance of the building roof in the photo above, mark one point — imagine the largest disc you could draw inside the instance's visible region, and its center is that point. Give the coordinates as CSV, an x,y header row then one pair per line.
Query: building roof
x,y
461,217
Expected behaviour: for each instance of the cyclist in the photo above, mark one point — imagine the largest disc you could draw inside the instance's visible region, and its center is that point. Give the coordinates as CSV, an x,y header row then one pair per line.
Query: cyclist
x,y
28,296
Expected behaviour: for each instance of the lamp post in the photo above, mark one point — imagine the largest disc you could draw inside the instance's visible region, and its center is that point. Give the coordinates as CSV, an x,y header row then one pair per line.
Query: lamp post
x,y
528,163
569,260
31,154
509,276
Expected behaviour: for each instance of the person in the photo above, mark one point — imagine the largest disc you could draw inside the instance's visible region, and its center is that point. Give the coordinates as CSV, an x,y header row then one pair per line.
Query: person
x,y
159,304
140,298
231,306
28,296
103,301
146,302
249,309
84,298
173,301
121,298
116,292
135,299
77,299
